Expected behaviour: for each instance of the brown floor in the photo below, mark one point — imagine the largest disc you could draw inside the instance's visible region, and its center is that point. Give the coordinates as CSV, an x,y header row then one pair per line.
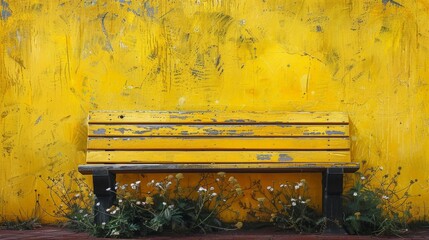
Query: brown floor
x,y
48,232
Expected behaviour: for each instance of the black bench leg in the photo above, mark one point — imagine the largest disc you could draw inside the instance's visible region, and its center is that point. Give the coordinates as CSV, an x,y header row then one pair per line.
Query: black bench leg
x,y
103,180
332,180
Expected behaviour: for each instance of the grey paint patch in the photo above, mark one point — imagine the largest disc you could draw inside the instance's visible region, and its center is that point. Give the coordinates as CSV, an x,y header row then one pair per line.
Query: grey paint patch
x,y
150,11
212,132
122,130
262,157
140,132
179,117
5,12
100,131
335,132
312,133
284,157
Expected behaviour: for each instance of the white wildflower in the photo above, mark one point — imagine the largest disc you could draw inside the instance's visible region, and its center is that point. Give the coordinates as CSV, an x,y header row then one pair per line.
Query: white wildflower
x,y
201,189
164,203
362,178
294,204
98,204
296,187
385,197
355,194
211,188
214,194
138,203
108,189
120,200
381,168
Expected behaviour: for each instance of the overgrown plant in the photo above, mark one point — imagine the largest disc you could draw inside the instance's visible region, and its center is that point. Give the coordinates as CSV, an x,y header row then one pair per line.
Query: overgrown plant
x,y
377,204
73,201
157,206
287,206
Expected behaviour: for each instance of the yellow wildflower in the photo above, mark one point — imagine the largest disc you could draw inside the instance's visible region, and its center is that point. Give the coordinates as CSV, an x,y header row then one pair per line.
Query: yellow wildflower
x,y
239,225
149,200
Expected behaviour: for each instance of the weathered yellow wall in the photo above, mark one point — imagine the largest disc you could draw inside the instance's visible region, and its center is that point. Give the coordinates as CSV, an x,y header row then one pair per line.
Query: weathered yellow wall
x,y
61,58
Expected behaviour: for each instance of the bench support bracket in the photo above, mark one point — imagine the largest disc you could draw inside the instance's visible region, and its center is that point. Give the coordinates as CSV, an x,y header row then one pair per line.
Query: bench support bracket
x,y
103,180
332,181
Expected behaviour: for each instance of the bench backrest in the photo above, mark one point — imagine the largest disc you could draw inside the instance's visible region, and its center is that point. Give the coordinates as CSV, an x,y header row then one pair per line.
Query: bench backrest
x,y
211,137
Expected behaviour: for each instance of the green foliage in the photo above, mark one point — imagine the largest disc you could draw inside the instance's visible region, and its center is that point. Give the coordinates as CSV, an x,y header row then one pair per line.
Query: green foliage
x,y
287,207
376,204
158,206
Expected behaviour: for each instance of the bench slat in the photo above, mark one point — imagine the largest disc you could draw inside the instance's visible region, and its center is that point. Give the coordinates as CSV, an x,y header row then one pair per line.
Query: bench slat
x,y
215,117
217,143
129,130
215,156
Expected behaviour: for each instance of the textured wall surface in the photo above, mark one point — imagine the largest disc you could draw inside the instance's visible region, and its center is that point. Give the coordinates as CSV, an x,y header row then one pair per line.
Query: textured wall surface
x,y
61,58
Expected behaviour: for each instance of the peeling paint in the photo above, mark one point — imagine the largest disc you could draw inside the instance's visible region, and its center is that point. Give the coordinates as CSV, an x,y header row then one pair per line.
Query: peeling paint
x,y
284,157
312,133
263,157
100,131
330,132
122,130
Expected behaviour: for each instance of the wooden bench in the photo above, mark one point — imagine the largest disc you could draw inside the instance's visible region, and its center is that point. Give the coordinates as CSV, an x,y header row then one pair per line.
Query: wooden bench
x,y
239,142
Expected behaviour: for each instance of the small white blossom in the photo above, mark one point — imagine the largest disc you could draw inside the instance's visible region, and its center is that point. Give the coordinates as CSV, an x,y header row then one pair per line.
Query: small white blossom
x,y
211,188
293,199
114,212
81,211
98,204
77,195
108,189
120,200
103,223
296,187
362,178
294,204
214,194
164,203
381,168
138,202
201,189
138,182
385,197
355,194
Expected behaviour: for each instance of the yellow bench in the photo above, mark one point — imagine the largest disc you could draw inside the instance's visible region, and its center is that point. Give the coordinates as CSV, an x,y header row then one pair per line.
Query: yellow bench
x,y
249,142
